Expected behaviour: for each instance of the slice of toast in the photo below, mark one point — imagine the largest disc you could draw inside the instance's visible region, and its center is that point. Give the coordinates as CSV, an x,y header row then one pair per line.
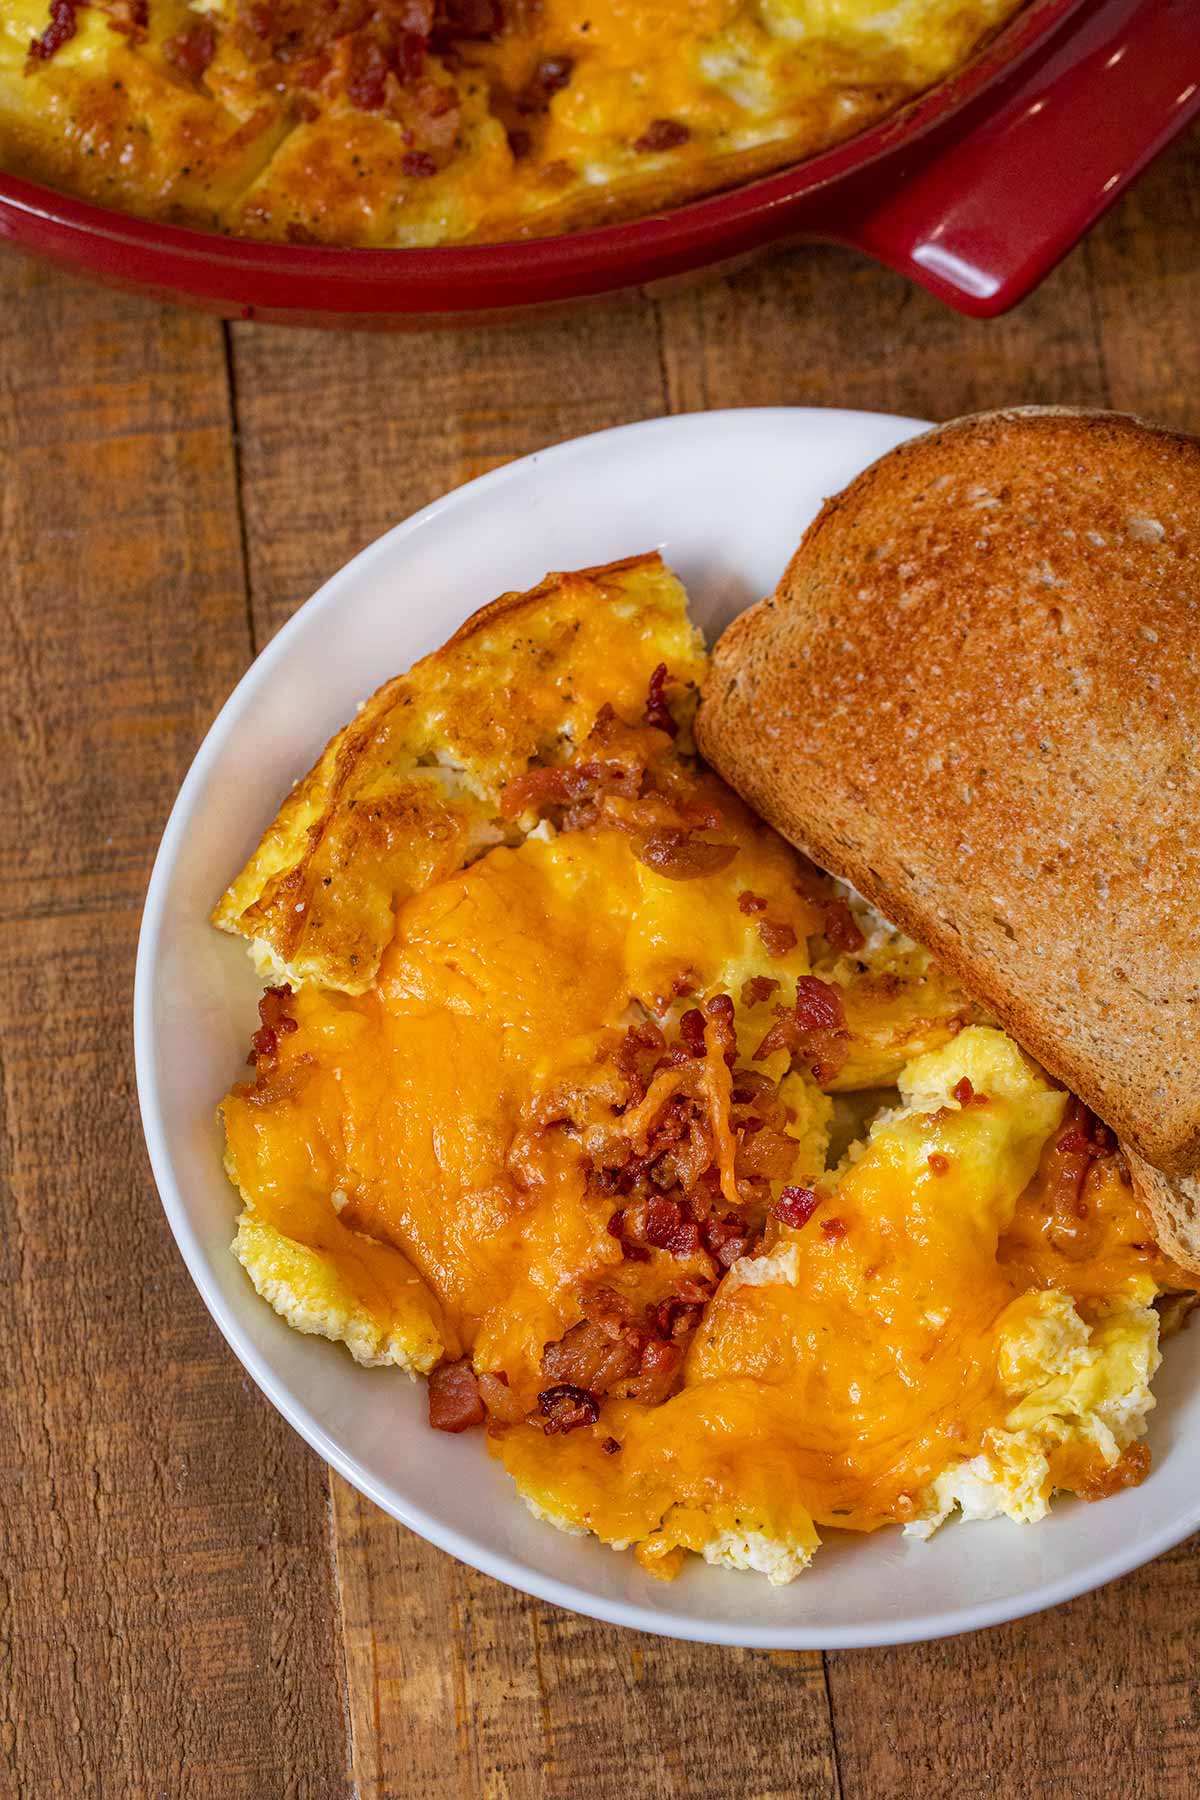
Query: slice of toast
x,y
975,695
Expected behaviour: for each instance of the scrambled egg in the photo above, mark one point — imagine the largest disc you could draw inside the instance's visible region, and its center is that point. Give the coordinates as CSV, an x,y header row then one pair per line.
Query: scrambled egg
x,y
435,124
553,1090
410,791
884,1371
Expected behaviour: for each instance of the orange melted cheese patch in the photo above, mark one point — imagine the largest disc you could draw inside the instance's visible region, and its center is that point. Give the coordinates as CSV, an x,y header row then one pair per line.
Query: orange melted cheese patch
x,y
890,1341
1080,1227
410,1100
863,1351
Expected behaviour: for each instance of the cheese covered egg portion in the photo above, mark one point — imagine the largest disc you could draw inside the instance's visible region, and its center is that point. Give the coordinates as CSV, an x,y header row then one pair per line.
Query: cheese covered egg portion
x,y
442,121
878,1364
549,1106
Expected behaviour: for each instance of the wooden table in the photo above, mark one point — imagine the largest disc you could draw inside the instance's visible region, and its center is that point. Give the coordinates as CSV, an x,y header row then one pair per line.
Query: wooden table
x,y
192,1605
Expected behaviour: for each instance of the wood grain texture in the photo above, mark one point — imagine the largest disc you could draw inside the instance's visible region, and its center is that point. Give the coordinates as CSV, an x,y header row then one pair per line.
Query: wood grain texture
x,y
343,436
191,1606
461,1689
166,1575
1143,266
1094,1701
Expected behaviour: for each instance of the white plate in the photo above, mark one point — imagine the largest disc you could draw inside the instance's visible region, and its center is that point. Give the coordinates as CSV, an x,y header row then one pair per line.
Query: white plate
x,y
726,495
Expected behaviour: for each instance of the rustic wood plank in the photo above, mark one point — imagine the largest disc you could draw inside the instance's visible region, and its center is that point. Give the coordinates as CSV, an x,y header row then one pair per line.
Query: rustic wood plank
x,y
461,1688
168,1593
819,326
343,436
1147,308
1094,1700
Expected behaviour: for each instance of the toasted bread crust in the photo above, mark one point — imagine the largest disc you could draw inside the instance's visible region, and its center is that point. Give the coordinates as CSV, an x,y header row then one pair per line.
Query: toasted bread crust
x,y
975,695
1174,1206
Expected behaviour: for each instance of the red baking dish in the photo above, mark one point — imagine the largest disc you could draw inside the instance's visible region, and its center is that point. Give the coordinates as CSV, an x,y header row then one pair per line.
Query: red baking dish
x,y
975,191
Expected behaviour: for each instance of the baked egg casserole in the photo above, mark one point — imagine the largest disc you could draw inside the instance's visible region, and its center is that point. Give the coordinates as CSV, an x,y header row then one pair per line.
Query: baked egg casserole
x,y
419,122
698,1189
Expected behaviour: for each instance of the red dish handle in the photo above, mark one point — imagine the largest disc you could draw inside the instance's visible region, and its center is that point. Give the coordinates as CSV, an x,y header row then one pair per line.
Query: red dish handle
x,y
981,209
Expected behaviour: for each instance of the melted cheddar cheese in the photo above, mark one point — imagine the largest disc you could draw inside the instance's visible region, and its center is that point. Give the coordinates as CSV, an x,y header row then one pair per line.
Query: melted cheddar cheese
x,y
454,121
848,1378
499,983
576,1096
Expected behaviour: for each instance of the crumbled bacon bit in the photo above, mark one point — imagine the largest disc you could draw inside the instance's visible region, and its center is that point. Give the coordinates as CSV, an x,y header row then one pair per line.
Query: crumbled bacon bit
x,y
610,1446
841,927
366,83
726,1238
661,1366
418,162
646,1036
813,1030
796,1206
683,1139
470,18
614,1351
682,856
565,1407
413,51
769,1155
272,1084
192,50
719,1014
1081,1142
818,1005
1130,1470
502,1404
594,1355
604,1306
549,77
939,1163
569,784
276,1022
455,1403
632,1252
658,713
131,18
777,938
533,788
61,29
256,14
834,1229
667,1227
1084,1134
756,989
964,1091
662,134
751,903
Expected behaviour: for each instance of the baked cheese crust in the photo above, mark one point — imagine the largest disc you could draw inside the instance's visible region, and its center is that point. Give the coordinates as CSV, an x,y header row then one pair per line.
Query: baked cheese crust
x,y
421,122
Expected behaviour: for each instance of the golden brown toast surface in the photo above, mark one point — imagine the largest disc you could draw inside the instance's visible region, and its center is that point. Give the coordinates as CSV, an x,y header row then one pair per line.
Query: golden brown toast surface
x,y
975,695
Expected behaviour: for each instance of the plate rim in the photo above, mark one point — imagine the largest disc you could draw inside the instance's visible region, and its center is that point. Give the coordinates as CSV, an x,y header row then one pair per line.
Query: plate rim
x,y
973,1616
